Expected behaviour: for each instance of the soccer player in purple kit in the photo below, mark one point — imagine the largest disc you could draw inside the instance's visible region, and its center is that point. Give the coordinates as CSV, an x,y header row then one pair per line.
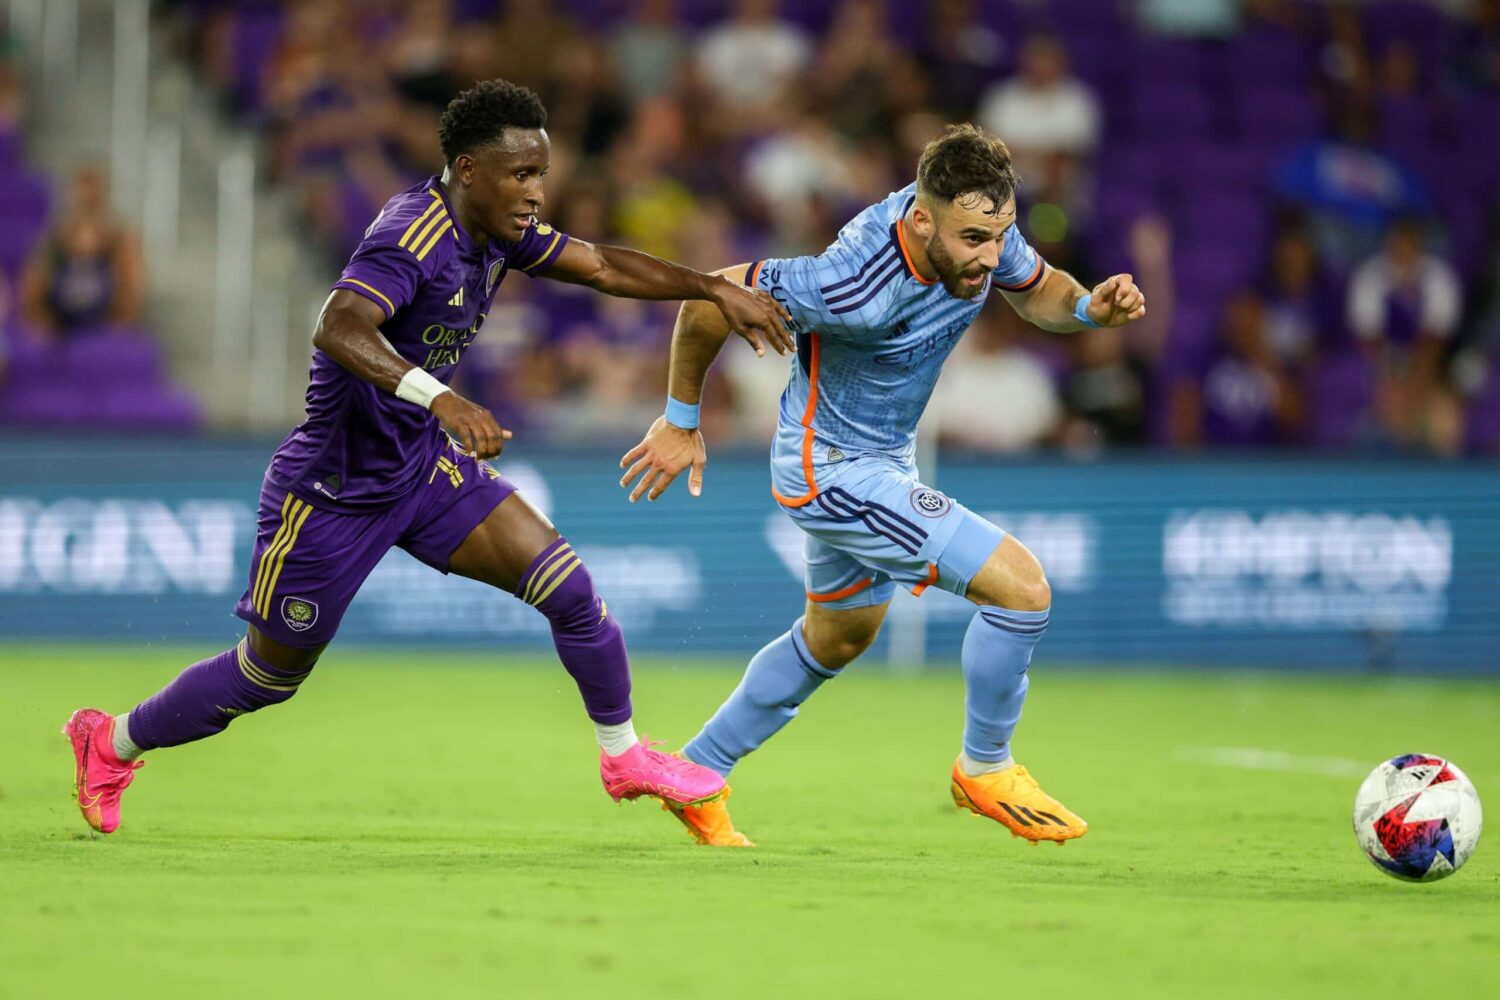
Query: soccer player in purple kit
x,y
390,456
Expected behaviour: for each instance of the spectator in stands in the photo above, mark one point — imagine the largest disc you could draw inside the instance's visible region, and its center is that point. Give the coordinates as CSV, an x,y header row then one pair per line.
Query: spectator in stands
x,y
1303,307
751,60
1404,306
961,55
1189,18
88,271
1243,395
1044,111
648,50
1350,189
994,395
850,74
1108,392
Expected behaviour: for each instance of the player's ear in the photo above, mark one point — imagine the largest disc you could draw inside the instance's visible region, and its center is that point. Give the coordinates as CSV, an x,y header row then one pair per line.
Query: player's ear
x,y
463,166
923,221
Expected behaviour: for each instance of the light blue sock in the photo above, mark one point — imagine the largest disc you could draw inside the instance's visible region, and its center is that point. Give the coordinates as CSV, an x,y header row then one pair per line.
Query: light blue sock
x,y
997,651
780,677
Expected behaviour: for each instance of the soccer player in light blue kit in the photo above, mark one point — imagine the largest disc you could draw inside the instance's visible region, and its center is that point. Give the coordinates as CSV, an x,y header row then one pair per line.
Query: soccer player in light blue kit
x,y
876,315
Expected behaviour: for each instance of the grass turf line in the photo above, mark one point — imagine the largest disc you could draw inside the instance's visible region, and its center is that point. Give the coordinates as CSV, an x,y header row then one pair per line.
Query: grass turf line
x,y
418,824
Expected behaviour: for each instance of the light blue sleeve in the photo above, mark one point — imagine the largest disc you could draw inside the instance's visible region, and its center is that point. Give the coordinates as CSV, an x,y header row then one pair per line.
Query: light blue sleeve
x,y
833,293
1020,267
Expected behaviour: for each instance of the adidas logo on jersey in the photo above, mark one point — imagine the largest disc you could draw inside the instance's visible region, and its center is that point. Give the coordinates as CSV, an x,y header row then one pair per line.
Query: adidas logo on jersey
x,y
458,298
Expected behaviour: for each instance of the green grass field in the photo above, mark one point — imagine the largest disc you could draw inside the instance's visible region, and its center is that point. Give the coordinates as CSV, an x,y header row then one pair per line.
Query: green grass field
x,y
433,826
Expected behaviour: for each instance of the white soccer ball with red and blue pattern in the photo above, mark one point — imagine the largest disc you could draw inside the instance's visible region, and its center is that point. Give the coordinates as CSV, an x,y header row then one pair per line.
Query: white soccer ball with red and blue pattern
x,y
1417,817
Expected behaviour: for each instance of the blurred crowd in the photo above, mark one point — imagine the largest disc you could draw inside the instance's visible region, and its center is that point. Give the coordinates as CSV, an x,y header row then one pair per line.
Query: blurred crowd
x,y
1303,188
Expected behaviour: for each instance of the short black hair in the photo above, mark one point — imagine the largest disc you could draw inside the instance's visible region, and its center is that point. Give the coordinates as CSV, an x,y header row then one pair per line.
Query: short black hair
x,y
966,159
476,117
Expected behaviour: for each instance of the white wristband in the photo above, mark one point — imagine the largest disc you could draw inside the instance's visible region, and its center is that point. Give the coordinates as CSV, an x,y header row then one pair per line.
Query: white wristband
x,y
416,386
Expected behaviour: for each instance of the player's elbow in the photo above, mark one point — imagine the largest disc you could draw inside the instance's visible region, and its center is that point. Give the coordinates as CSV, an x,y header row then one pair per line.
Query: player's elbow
x,y
333,323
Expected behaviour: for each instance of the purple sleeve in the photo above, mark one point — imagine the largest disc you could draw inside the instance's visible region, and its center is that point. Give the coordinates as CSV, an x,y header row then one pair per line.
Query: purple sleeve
x,y
537,250
384,273
398,253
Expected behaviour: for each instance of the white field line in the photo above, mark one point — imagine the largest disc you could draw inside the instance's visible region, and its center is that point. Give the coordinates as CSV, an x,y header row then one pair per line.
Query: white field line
x,y
1259,759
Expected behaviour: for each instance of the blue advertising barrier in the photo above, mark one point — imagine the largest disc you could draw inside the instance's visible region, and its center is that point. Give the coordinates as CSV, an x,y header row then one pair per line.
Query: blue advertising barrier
x,y
1287,563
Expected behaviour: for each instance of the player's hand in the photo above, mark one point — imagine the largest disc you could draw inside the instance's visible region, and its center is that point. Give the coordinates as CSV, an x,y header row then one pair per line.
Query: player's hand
x,y
662,454
470,424
1116,301
755,315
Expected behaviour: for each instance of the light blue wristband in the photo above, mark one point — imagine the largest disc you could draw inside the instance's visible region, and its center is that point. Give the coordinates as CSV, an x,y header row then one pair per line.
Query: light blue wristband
x,y
1081,310
680,414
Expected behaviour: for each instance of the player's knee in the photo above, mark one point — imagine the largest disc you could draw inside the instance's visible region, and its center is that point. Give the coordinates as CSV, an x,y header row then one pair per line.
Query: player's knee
x,y
569,600
837,648
1031,593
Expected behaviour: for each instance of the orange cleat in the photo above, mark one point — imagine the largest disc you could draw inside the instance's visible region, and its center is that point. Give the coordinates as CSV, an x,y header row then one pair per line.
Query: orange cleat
x,y
1013,799
99,777
709,822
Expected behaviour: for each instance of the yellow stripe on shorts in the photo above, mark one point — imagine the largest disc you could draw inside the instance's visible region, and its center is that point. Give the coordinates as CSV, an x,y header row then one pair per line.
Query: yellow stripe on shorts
x,y
300,511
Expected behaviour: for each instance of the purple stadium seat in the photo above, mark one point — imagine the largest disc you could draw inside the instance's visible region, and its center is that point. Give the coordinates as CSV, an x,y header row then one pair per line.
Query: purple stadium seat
x,y
41,403
1405,123
1275,116
1238,221
1208,164
1213,263
256,33
1268,54
1169,111
114,356
1339,395
1162,62
1482,424
161,408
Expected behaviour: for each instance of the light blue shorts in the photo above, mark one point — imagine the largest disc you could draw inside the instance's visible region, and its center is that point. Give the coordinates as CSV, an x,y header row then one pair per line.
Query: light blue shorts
x,y
875,526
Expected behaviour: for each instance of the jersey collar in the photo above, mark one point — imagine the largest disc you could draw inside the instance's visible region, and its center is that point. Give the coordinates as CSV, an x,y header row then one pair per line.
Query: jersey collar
x,y
898,232
465,242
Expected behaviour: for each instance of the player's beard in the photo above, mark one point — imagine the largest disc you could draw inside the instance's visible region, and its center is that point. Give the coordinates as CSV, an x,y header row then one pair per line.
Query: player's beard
x,y
951,275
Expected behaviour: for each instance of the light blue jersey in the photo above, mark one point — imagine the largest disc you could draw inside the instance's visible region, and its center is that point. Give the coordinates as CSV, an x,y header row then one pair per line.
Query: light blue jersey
x,y
872,336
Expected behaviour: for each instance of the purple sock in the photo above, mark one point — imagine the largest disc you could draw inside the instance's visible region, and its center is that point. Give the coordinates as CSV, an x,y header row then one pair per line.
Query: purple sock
x,y
207,696
589,642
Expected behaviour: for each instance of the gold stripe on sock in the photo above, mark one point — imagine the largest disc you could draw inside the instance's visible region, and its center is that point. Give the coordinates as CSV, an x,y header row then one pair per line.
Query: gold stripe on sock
x,y
566,572
564,549
256,675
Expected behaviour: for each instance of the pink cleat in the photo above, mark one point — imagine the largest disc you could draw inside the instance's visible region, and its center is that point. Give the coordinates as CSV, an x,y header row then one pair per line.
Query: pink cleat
x,y
99,777
644,771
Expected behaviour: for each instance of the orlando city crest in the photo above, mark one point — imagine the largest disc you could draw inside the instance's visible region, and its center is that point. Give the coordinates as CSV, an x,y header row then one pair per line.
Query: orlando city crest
x,y
493,276
298,614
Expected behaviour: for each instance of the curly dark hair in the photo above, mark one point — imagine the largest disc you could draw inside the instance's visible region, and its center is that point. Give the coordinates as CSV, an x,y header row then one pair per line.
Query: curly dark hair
x,y
966,159
476,117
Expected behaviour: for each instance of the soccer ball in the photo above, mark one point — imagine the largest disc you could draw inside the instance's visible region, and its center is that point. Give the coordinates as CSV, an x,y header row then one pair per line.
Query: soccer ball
x,y
1417,817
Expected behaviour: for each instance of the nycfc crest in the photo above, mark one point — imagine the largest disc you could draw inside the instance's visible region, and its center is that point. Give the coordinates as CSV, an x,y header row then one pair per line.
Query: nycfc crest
x,y
929,503
298,614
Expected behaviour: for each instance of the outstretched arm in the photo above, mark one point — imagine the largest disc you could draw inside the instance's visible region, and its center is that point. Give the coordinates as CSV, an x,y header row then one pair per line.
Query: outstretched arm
x,y
349,332
631,274
669,447
1054,304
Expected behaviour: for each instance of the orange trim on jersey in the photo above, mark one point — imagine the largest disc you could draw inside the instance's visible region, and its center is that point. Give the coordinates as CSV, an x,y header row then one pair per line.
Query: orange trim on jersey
x,y
906,254
1030,279
842,593
807,433
932,575
754,273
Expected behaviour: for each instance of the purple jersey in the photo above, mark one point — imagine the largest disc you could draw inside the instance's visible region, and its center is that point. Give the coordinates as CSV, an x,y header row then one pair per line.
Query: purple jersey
x,y
361,448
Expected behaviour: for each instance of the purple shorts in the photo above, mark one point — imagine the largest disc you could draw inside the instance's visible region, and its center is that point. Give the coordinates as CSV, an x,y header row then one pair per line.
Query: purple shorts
x,y
309,563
